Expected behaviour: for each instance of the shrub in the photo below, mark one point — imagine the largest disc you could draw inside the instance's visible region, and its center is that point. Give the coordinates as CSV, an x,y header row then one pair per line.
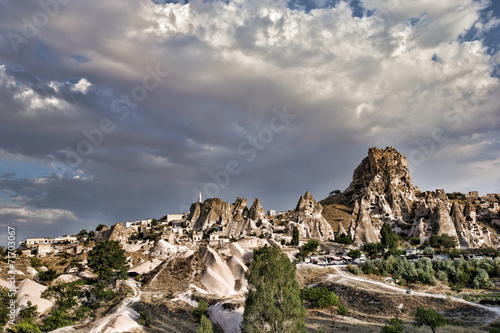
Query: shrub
x,y
428,317
48,275
145,319
395,325
343,239
342,310
354,254
354,269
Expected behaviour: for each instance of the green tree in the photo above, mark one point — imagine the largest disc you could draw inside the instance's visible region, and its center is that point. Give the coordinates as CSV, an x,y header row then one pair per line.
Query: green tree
x,y
100,227
343,239
414,241
29,313
354,254
373,248
273,301
82,233
428,317
5,301
319,297
201,310
395,325
443,241
48,275
295,236
342,310
154,222
24,327
205,325
107,259
388,238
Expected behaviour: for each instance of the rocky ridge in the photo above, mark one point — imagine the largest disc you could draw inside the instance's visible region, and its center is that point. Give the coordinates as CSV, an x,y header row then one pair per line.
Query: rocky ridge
x,y
382,191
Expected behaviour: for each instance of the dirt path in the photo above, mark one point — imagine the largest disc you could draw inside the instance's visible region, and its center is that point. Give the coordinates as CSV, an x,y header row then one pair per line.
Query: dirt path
x,y
343,277
123,309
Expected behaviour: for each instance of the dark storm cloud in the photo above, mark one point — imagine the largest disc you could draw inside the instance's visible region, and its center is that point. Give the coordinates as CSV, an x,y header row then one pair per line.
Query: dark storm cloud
x,y
135,107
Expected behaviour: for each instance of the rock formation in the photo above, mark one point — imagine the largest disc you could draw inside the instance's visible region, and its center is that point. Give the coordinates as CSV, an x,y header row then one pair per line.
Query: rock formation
x,y
382,191
307,217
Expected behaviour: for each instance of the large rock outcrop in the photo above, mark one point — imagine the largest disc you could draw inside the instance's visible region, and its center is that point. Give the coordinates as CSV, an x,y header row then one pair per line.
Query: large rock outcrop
x,y
382,191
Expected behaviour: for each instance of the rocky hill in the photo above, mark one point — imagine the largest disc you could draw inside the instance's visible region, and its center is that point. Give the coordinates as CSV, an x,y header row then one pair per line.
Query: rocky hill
x,y
382,191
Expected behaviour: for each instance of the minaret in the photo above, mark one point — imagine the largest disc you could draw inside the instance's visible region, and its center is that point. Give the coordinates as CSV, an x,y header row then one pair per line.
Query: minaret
x,y
199,198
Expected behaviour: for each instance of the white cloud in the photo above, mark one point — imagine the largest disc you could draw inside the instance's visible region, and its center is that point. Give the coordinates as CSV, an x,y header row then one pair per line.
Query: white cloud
x,y
82,86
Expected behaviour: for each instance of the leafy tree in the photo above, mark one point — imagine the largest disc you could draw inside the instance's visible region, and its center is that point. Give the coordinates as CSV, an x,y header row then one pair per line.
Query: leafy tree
x,y
428,317
343,239
205,326
342,310
36,262
201,310
48,275
295,236
414,241
428,251
395,325
29,313
107,259
310,247
319,297
388,238
273,301
443,241
354,254
100,227
5,301
82,233
57,319
154,222
373,248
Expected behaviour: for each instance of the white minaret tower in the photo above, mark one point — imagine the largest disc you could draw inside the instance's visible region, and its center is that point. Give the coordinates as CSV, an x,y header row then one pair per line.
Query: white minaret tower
x,y
199,198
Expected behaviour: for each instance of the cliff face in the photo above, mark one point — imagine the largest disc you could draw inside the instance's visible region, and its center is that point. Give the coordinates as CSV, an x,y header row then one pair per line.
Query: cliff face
x,y
382,191
234,220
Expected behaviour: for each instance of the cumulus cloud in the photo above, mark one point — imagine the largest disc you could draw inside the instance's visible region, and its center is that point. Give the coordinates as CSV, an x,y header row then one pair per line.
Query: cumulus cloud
x,y
135,111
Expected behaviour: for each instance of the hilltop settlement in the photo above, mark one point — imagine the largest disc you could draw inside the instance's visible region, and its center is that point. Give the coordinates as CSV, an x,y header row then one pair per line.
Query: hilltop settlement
x,y
367,245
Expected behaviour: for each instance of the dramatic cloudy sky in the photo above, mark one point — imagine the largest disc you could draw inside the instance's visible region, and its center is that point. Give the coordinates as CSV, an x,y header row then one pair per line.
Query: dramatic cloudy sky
x,y
121,110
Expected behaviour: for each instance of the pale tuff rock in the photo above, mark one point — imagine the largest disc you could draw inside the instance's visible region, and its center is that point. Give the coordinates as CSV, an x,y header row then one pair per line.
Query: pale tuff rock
x,y
30,291
309,220
217,278
366,231
239,209
382,192
213,211
341,230
257,212
241,229
117,233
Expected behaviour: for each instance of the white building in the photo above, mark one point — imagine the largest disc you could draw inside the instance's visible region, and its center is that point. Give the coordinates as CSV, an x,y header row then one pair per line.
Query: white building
x,y
174,217
139,225
271,212
33,242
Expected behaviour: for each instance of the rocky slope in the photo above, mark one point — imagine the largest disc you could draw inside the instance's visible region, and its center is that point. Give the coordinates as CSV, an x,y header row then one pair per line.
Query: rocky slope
x,y
381,191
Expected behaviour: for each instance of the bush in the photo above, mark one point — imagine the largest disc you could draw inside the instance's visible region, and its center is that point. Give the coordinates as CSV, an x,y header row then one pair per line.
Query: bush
x,y
395,325
36,262
343,239
354,269
48,275
319,297
414,241
354,254
145,319
342,310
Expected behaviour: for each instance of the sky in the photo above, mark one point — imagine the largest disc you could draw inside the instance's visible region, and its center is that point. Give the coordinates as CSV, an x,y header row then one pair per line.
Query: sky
x,y
124,110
